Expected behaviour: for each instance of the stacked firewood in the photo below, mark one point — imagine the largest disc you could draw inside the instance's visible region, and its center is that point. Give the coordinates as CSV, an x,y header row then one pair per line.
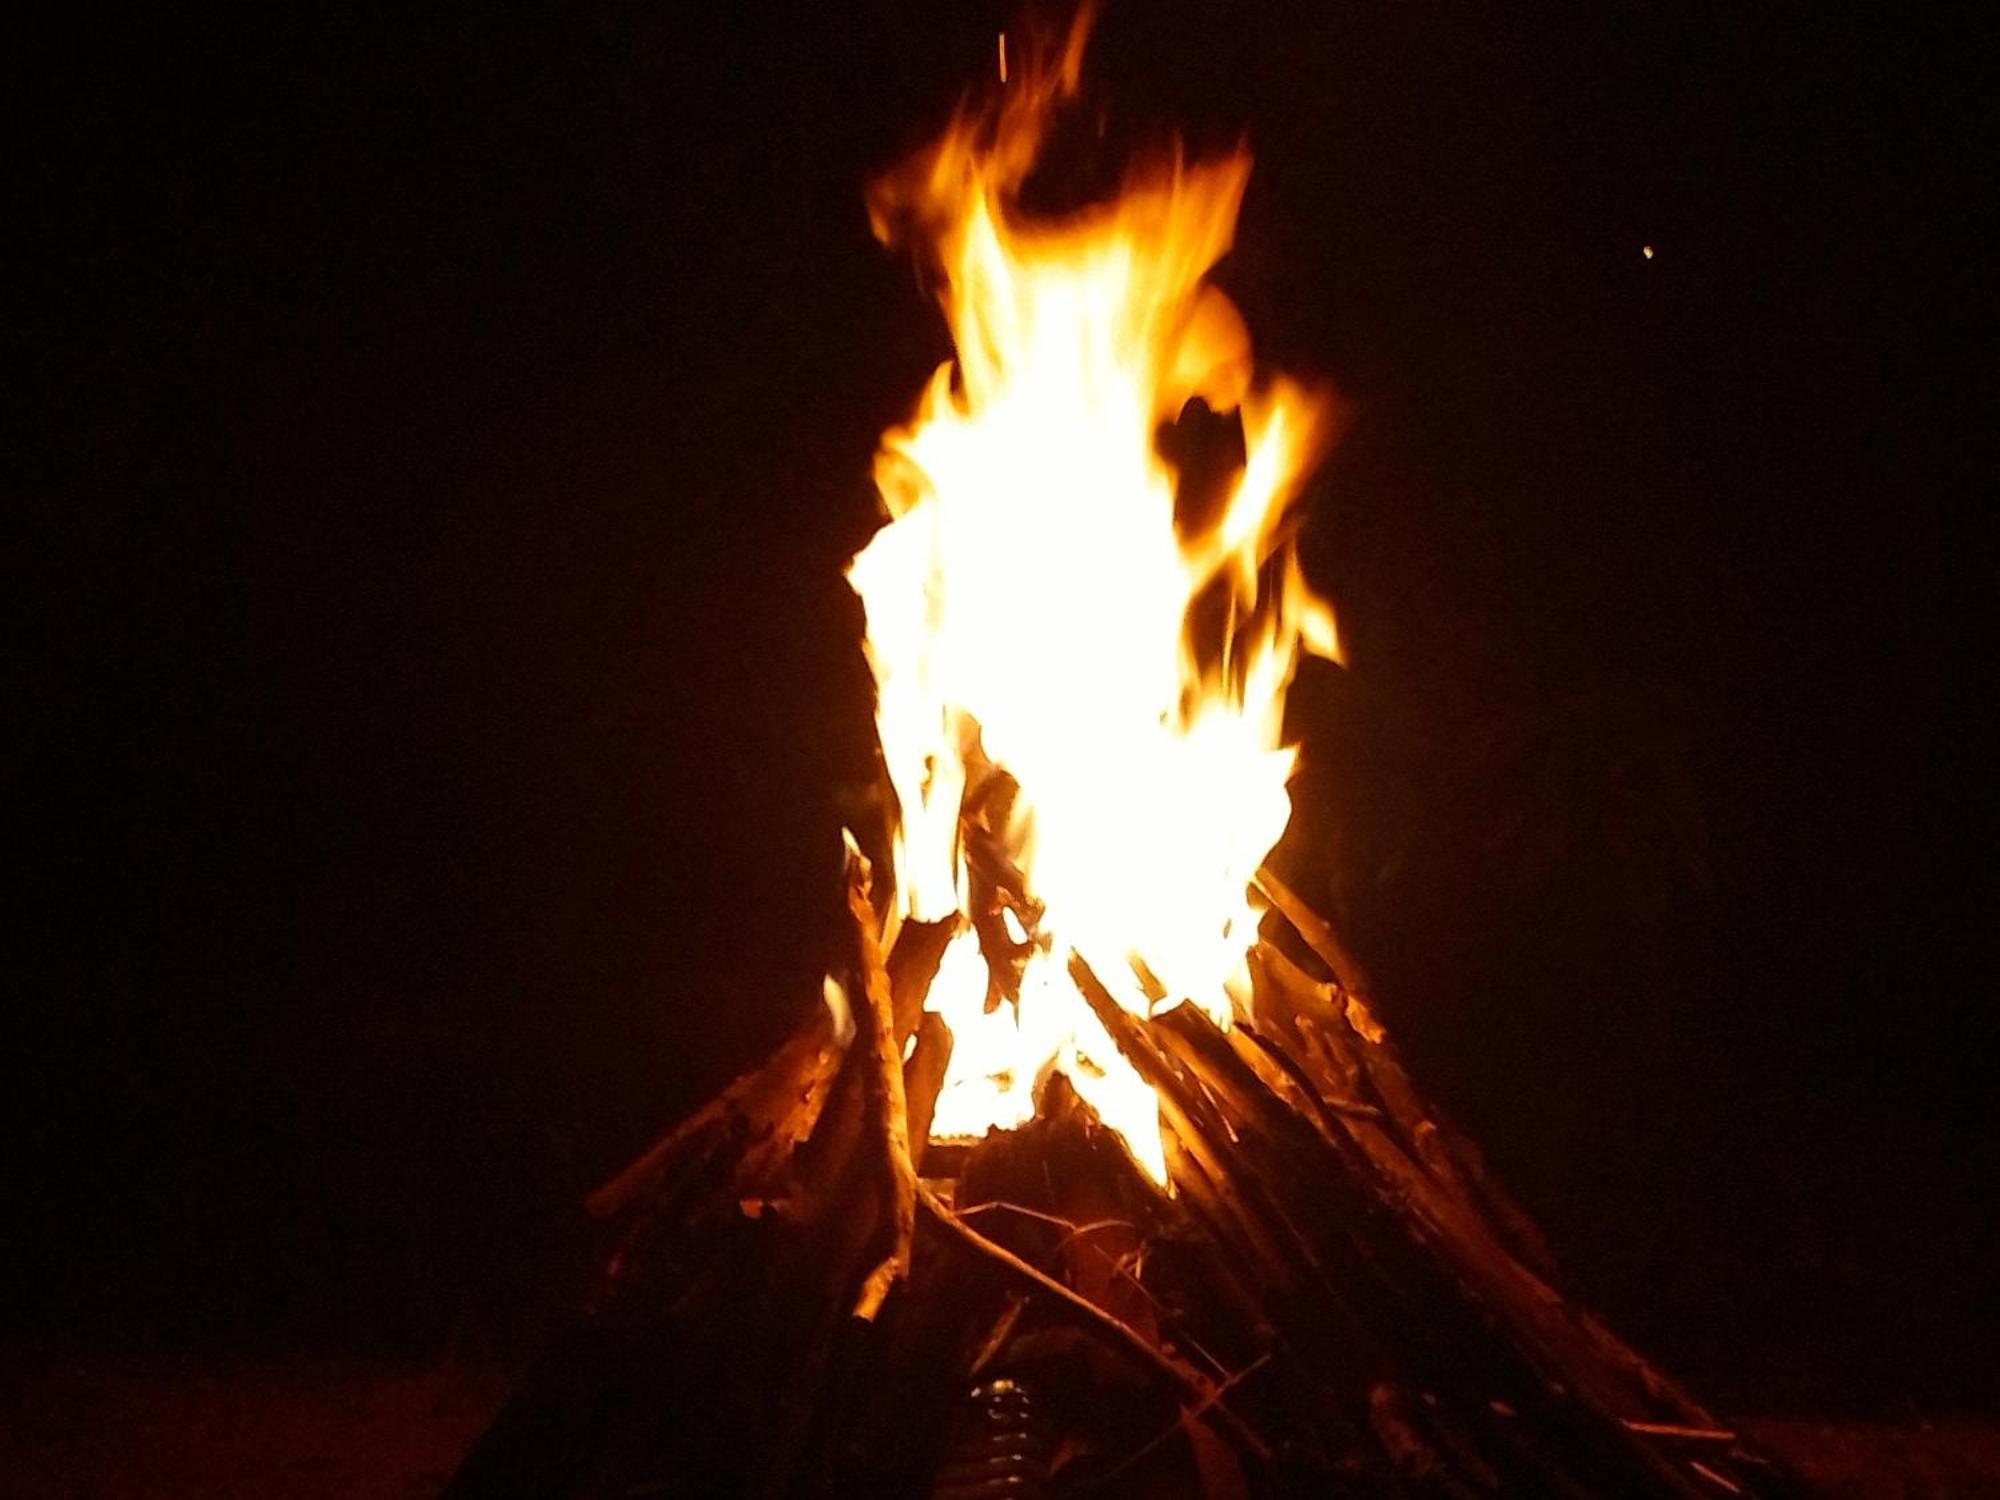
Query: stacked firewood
x,y
1333,1298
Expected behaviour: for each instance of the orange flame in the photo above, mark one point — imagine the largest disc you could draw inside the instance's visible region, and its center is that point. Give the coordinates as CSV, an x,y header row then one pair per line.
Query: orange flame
x,y
1029,603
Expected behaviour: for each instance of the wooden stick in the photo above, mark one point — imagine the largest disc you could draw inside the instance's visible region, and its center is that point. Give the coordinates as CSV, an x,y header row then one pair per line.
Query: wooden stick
x,y
923,1077
1199,1122
883,1100
990,861
1180,1423
913,964
794,1074
1692,1434
1421,1131
1317,933
1115,1332
1255,1047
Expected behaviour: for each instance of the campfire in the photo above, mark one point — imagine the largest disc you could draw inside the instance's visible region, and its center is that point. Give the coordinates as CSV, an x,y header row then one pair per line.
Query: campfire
x,y
1093,1172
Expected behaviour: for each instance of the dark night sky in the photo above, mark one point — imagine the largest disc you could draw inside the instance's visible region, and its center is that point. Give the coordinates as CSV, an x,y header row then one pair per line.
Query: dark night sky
x,y
439,696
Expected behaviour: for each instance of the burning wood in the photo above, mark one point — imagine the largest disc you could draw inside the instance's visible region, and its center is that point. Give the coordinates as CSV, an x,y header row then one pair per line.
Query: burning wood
x,y
1185,1225
1323,1299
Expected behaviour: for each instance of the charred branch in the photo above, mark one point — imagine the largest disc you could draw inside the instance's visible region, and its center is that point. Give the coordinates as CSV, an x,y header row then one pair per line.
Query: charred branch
x,y
1334,1296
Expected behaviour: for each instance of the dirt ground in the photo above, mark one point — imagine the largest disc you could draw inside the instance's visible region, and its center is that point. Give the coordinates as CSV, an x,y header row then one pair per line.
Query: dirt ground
x,y
160,1429
154,1428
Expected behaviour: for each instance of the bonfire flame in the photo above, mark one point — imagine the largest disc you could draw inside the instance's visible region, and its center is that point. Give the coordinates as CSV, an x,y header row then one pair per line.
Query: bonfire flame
x,y
1032,607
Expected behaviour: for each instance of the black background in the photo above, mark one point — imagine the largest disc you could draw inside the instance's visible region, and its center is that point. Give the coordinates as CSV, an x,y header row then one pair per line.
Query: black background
x,y
439,695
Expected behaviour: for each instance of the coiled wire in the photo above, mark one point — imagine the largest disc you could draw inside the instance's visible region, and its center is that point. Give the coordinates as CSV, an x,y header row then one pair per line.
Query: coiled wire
x,y
999,1446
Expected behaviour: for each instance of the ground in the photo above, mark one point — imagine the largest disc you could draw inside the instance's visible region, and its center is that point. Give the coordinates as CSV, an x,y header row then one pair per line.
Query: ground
x,y
97,1427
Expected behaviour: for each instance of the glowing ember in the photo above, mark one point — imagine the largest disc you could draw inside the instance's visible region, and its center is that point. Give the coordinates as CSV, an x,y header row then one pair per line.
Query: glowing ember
x,y
1029,608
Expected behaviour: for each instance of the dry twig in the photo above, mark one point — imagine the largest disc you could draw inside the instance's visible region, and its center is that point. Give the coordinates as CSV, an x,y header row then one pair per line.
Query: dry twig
x,y
1114,1332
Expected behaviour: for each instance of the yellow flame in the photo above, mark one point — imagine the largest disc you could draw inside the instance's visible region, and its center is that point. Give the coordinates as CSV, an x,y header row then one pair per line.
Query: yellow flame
x,y
1030,599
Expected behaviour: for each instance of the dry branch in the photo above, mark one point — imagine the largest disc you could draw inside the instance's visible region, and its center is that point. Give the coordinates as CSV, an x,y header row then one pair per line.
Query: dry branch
x,y
1317,934
923,1077
1328,1226
884,1105
779,1099
913,964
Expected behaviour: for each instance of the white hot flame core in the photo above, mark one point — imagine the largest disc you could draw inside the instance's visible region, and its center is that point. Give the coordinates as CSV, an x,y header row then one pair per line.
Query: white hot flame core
x,y
1029,601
